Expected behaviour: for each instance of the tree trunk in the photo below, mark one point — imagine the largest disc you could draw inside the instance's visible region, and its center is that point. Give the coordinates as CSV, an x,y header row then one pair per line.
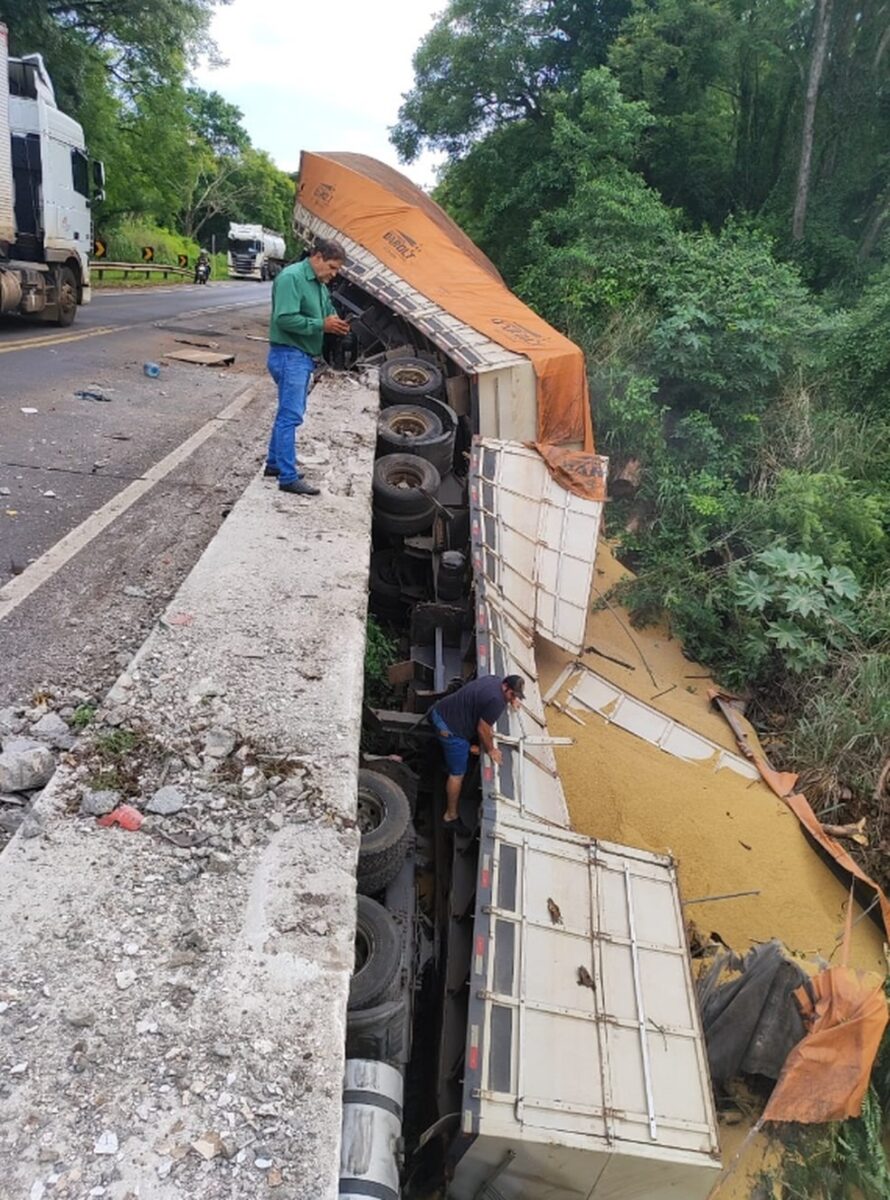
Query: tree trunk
x,y
817,66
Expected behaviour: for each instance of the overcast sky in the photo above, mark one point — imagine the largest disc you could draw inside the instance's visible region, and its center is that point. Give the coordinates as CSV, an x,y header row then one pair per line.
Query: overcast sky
x,y
317,76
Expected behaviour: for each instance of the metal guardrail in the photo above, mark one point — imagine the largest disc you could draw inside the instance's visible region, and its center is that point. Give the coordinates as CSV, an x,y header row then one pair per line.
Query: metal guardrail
x,y
100,266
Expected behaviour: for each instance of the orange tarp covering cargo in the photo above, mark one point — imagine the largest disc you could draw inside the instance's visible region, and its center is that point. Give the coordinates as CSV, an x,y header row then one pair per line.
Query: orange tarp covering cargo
x,y
407,231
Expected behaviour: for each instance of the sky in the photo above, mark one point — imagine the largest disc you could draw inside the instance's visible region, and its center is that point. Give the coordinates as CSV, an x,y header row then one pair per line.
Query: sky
x,y
315,76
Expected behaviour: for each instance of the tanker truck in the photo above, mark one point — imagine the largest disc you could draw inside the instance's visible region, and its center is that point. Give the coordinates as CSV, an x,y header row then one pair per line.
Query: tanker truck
x,y
47,183
254,252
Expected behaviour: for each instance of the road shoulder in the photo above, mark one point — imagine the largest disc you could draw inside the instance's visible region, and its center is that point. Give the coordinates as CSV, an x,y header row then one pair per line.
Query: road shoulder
x,y
173,999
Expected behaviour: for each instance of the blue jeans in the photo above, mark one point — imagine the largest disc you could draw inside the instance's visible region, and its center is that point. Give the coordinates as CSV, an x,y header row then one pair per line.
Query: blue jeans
x,y
292,371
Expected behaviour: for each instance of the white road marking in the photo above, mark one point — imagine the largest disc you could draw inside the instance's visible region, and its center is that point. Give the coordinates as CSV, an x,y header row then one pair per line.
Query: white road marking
x,y
22,586
56,339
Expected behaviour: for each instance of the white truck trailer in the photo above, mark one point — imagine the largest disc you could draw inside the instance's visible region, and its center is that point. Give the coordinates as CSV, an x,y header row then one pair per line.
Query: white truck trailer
x,y
254,252
46,185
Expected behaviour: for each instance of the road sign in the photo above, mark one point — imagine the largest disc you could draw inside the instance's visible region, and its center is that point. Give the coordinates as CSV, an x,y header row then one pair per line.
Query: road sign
x,y
148,253
100,248
183,260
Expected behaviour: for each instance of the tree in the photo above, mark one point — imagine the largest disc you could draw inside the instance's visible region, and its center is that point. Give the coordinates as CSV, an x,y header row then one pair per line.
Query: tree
x,y
139,42
488,62
814,80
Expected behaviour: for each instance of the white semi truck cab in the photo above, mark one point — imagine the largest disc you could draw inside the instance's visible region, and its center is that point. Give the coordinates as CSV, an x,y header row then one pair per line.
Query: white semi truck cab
x,y
46,185
254,252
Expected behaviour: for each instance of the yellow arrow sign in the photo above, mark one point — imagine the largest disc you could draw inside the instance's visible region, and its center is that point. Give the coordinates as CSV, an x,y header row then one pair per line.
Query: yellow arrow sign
x,y
148,253
100,248
183,260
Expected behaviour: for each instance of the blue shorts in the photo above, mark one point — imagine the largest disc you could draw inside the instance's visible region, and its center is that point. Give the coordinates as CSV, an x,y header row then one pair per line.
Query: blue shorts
x,y
455,749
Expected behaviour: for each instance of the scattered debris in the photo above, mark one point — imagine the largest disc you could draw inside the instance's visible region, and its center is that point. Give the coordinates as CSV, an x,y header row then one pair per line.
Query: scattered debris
x,y
855,831
29,411
184,341
152,370
585,979
99,803
90,394
126,816
202,358
166,801
106,1143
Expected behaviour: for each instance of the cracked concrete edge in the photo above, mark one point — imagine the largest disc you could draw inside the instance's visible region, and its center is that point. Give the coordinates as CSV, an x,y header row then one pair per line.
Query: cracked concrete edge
x,y
272,621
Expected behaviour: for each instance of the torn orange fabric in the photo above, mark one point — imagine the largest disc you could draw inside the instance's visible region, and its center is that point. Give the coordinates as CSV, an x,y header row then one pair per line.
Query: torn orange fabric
x,y
826,1075
401,226
782,783
576,470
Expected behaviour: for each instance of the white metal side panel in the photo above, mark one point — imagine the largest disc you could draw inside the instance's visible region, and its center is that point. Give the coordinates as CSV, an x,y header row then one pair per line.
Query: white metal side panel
x,y
536,542
508,402
527,780
591,1031
7,216
619,708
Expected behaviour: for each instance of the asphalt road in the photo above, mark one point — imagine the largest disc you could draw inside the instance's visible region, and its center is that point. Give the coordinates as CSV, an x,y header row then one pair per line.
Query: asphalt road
x,y
65,461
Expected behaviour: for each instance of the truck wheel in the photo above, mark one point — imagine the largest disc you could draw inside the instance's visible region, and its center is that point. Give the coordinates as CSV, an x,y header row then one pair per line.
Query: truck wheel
x,y
403,426
403,484
67,297
378,953
399,772
384,818
404,379
403,525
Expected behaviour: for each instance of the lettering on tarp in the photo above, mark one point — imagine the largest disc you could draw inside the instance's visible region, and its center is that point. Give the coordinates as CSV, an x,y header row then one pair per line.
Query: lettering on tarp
x,y
520,333
403,244
324,193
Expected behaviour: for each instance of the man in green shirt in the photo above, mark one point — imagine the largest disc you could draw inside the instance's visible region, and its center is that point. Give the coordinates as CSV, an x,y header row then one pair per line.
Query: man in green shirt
x,y
302,313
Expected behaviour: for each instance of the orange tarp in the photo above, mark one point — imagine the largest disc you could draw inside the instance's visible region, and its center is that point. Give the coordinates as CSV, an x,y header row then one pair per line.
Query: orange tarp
x,y
826,1075
408,232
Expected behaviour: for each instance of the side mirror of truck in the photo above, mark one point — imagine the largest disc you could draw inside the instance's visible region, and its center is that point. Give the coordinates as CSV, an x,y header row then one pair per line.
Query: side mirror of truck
x,y
98,180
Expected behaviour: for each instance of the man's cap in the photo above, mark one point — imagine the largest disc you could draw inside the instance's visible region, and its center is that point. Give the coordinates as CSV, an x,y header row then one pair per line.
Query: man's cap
x,y
516,684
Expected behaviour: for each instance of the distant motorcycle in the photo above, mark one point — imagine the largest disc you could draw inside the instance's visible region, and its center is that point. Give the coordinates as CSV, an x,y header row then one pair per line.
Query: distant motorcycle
x,y
202,271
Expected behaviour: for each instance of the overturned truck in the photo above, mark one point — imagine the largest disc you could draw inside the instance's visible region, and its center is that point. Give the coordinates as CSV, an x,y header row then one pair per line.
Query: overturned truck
x,y
557,1048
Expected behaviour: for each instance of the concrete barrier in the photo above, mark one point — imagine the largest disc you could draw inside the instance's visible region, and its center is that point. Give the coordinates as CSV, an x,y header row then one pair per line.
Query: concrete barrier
x,y
172,1000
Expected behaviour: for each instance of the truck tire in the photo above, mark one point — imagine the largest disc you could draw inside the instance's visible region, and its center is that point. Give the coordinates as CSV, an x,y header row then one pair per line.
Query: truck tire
x,y
399,772
384,819
400,483
402,428
404,379
378,1033
403,525
67,297
378,955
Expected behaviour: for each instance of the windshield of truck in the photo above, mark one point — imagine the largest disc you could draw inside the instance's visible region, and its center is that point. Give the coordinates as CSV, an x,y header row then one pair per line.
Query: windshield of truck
x,y
244,246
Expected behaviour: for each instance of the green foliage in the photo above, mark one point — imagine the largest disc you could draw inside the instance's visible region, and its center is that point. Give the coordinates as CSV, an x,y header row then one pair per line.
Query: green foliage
x,y
83,715
380,653
842,1161
175,156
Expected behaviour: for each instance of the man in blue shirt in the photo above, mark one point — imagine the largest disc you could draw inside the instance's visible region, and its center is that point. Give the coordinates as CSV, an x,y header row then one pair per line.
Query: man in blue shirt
x,y
470,712
302,313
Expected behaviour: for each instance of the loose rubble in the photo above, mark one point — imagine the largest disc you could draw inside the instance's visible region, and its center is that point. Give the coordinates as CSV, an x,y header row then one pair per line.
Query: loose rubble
x,y
33,737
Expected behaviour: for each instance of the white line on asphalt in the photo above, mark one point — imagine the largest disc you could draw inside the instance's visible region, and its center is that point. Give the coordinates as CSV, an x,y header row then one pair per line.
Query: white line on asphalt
x,y
16,590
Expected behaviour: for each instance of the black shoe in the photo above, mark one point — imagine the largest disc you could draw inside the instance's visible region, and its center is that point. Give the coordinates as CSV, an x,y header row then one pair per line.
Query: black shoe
x,y
299,488
456,827
271,472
